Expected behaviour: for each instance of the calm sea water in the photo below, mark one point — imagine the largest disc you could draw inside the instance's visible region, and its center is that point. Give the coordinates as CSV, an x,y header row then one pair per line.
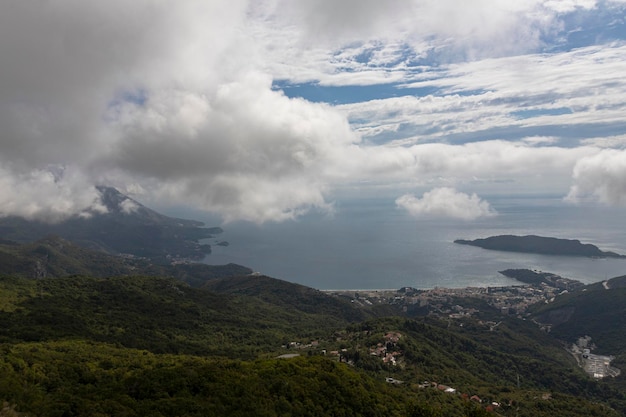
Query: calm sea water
x,y
371,244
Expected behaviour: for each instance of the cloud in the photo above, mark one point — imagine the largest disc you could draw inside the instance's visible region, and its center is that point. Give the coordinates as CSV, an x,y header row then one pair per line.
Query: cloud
x,y
618,141
168,98
512,97
540,140
545,167
369,42
128,206
67,61
446,202
180,102
247,152
601,177
41,195
564,6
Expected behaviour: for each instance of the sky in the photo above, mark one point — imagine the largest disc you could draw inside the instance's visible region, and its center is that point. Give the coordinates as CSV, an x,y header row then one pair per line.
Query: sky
x,y
265,110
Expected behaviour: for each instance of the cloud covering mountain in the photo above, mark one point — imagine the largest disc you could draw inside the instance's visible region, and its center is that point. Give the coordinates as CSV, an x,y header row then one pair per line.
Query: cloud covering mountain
x,y
263,110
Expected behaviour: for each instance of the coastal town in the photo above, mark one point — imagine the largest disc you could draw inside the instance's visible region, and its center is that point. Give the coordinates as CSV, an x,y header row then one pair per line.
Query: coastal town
x,y
486,304
464,302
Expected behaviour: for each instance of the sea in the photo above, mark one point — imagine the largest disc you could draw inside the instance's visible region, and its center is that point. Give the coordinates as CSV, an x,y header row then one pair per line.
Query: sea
x,y
372,244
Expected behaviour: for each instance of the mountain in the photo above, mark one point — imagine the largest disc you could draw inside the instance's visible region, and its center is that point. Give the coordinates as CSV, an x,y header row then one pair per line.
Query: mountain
x,y
595,314
127,227
287,295
55,257
597,310
133,346
539,244
162,315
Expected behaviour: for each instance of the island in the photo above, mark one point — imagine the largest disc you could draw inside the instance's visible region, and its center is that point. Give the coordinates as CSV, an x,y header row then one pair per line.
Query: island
x,y
540,245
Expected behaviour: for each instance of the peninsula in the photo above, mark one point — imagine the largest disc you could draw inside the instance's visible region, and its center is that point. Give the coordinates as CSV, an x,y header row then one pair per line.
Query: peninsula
x,y
540,245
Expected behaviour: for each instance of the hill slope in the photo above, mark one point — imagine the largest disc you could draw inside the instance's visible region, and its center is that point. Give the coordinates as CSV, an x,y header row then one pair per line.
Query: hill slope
x,y
124,346
286,295
55,257
127,227
597,310
141,345
158,314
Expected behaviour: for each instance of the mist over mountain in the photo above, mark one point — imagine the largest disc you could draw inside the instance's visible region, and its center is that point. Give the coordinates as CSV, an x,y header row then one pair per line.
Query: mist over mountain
x,y
125,226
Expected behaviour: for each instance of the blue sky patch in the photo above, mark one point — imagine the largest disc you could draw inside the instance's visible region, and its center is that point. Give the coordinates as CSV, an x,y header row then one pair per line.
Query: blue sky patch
x,y
348,94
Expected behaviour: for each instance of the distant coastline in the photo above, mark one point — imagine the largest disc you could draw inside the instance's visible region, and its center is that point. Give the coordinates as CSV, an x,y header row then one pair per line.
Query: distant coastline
x,y
540,245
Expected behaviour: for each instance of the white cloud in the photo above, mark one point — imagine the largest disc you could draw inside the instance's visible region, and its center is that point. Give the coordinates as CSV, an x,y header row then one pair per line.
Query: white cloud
x,y
521,96
319,41
618,141
247,152
564,6
446,202
601,177
166,98
41,195
177,101
500,159
128,206
540,140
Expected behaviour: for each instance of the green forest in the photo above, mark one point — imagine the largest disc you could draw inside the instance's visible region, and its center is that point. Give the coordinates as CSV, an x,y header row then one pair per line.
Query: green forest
x,y
140,345
83,333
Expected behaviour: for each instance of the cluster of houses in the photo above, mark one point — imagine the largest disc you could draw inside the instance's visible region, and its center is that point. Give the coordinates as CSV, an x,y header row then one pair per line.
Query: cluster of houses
x,y
449,390
388,350
438,301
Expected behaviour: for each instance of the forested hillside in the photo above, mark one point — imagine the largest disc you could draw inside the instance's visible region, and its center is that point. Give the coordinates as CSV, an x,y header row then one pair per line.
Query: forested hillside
x,y
137,345
597,311
55,257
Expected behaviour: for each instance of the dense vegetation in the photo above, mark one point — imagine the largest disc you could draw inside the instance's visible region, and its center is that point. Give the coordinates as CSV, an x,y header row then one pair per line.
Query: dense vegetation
x,y
598,311
136,345
90,379
287,295
85,333
159,314
54,257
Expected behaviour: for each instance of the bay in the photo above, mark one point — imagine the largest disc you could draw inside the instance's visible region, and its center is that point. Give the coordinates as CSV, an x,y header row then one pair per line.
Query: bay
x,y
372,244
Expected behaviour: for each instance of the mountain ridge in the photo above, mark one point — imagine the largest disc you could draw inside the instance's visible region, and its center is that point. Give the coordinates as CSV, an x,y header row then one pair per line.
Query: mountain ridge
x,y
127,227
55,257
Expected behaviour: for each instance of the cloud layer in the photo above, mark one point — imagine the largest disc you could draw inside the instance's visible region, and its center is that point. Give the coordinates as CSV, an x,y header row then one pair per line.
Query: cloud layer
x,y
446,202
180,103
602,177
